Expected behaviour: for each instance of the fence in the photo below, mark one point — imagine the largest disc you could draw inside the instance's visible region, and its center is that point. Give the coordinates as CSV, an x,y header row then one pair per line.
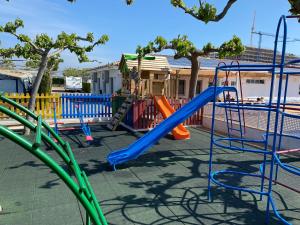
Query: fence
x,y
145,115
43,106
90,105
258,119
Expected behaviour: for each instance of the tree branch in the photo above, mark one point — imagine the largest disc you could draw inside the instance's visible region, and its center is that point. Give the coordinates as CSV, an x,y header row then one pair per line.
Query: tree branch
x,y
199,16
55,53
38,50
225,10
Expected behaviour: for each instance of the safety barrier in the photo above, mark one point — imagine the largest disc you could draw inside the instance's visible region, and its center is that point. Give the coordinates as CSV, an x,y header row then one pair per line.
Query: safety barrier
x,y
43,106
145,115
91,105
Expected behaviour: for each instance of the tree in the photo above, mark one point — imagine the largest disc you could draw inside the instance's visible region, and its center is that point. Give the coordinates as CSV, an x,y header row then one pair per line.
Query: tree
x,y
46,82
185,48
43,48
74,72
295,7
7,64
205,11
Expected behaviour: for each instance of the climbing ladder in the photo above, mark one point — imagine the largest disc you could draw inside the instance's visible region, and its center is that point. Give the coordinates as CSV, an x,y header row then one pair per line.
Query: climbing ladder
x,y
80,185
233,116
121,113
234,123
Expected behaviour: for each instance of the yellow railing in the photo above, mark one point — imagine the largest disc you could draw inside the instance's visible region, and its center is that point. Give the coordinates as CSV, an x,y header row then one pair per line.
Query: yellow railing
x,y
44,104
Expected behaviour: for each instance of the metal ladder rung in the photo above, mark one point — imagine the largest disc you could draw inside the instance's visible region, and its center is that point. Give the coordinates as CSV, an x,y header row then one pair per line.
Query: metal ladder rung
x,y
233,120
234,129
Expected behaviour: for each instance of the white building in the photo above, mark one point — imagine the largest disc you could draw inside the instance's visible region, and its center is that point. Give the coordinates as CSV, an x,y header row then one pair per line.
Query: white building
x,y
106,79
254,84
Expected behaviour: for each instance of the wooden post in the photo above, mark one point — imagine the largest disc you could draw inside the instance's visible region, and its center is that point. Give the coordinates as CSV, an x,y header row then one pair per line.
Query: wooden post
x,y
176,84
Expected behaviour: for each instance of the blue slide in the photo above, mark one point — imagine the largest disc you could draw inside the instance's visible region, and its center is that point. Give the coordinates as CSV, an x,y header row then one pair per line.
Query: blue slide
x,y
149,139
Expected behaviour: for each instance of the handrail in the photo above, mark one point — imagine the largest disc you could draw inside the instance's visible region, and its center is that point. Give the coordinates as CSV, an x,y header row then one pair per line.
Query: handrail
x,y
82,189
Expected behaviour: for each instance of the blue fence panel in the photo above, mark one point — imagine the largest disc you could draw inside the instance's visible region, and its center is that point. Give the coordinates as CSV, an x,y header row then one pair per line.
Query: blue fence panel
x,y
90,105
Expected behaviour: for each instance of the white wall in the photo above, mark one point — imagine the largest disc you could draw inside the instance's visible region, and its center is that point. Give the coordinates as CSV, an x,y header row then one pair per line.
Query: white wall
x,y
114,73
263,90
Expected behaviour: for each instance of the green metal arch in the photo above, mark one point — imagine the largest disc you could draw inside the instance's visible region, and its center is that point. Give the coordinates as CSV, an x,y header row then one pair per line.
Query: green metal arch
x,y
81,188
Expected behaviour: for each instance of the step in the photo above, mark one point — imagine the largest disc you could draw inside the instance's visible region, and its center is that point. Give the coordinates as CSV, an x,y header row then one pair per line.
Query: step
x,y
110,126
125,105
117,115
122,110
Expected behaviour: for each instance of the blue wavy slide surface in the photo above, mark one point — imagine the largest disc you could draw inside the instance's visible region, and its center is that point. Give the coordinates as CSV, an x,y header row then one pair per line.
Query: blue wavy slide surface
x,y
149,139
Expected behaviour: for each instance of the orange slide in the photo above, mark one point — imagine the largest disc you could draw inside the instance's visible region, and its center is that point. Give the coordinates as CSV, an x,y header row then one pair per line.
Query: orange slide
x,y
179,132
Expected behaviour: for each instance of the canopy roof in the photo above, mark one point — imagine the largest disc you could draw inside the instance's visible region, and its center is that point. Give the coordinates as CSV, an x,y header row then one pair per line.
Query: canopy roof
x,y
149,63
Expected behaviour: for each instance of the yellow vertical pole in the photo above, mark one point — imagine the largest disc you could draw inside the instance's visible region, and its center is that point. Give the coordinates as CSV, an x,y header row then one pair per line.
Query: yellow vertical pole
x,y
42,99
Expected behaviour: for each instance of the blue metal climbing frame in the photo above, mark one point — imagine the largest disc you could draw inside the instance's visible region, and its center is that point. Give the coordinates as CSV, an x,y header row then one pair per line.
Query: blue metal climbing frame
x,y
272,139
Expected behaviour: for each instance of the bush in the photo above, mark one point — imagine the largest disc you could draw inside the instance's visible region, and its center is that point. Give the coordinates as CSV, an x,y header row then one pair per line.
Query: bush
x,y
58,81
46,84
86,87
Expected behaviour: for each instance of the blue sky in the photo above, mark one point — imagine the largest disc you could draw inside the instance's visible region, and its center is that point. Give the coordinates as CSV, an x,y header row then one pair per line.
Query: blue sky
x,y
128,26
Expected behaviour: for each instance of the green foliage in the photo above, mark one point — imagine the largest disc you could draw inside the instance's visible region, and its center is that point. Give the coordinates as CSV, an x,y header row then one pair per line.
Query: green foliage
x,y
182,46
7,64
204,11
74,72
129,2
86,87
231,48
44,44
58,81
295,7
185,48
46,84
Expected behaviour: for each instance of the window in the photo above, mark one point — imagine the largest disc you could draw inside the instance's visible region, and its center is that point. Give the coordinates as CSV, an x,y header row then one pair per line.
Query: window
x,y
106,76
253,81
95,77
199,87
233,83
181,87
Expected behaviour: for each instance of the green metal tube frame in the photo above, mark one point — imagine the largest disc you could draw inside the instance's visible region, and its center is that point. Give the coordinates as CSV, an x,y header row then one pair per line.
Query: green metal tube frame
x,y
82,188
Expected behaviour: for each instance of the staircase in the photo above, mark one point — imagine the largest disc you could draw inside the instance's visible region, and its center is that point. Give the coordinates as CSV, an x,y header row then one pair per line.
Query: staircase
x,y
121,113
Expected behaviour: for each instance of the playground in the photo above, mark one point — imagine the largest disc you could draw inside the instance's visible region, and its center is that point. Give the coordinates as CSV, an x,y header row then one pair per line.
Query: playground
x,y
167,185
225,172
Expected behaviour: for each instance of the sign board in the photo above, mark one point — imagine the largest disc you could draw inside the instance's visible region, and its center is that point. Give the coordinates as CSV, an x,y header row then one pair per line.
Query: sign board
x,y
73,83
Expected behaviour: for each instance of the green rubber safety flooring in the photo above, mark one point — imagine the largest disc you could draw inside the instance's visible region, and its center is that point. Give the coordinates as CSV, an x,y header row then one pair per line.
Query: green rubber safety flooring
x,y
166,185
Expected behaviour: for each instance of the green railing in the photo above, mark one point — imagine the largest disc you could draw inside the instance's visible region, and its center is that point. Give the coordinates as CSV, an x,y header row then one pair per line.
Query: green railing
x,y
79,186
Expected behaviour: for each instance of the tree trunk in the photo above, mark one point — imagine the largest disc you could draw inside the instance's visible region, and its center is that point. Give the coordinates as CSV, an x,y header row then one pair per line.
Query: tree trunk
x,y
35,88
194,76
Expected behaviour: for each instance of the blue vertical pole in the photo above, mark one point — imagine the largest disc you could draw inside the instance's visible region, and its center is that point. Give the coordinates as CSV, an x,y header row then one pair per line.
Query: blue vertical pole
x,y
282,122
281,66
212,135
